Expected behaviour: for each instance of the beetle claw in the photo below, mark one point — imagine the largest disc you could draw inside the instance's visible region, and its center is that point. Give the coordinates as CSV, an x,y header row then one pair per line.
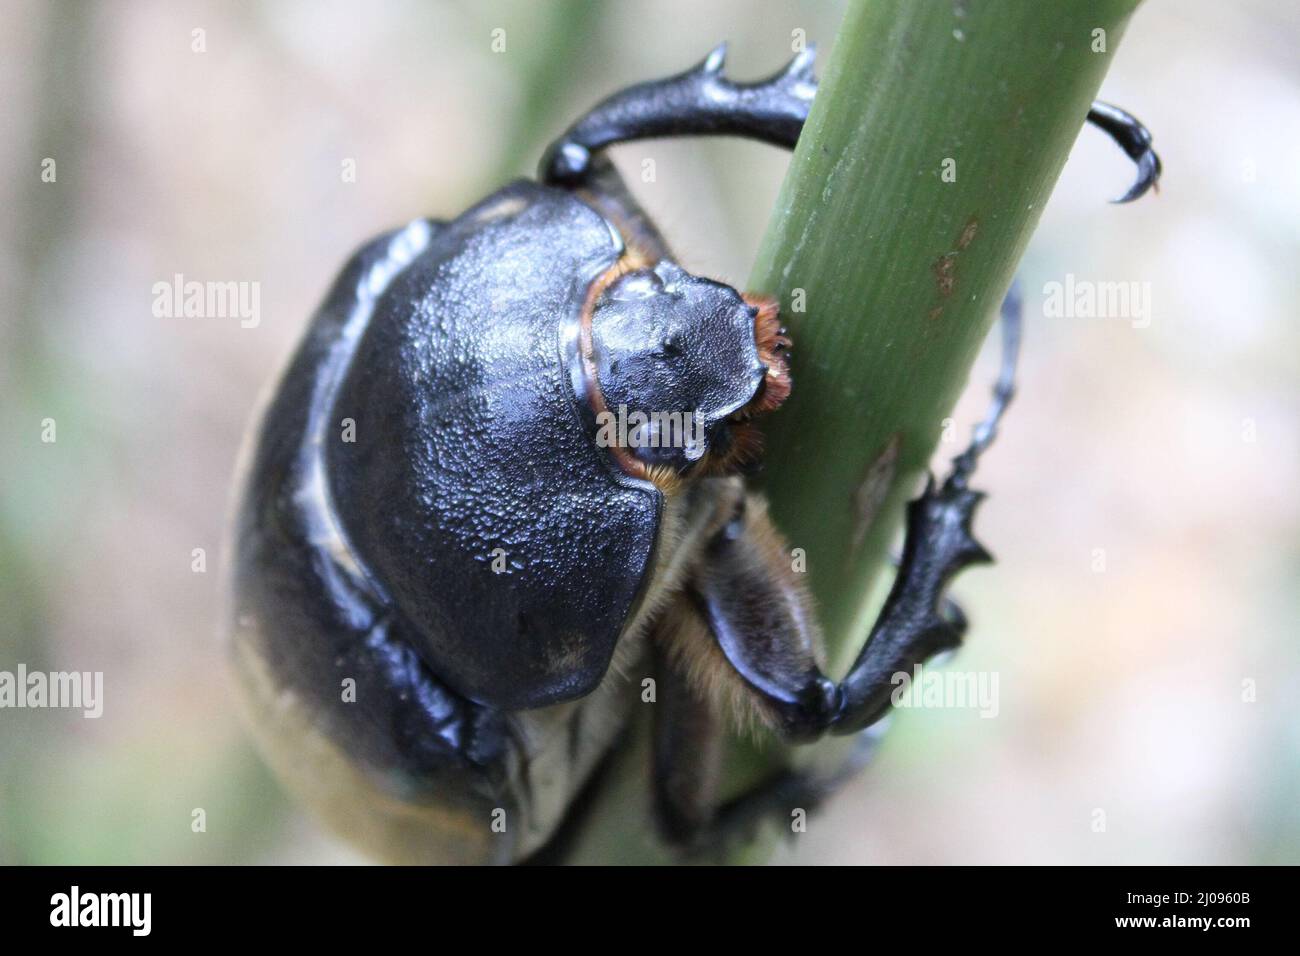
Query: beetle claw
x,y
1148,177
1135,139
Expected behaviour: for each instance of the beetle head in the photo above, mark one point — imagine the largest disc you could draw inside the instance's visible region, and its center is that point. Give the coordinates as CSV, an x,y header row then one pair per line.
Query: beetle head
x,y
683,363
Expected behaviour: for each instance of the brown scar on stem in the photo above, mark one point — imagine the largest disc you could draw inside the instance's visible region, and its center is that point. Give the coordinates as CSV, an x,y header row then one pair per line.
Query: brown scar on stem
x,y
945,267
968,233
944,280
873,488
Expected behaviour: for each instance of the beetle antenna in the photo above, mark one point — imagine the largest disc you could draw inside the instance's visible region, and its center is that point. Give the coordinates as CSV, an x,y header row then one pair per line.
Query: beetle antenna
x,y
963,466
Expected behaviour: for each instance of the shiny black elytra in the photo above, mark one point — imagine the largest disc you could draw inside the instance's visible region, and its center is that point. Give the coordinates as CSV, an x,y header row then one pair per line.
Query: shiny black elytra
x,y
447,591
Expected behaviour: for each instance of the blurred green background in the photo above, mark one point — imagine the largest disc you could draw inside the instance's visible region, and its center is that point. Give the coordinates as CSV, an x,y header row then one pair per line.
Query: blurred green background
x,y
1174,447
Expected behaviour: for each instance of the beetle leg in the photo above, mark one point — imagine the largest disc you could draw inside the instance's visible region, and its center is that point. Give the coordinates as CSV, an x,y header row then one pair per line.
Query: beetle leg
x,y
949,608
687,743
918,620
1132,137
777,800
764,662
914,624
699,101
1004,389
688,748
780,797
764,658
703,101
766,646
604,190
761,618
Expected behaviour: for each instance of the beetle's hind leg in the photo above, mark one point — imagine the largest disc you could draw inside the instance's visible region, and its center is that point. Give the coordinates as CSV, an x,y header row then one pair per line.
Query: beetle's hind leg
x,y
699,101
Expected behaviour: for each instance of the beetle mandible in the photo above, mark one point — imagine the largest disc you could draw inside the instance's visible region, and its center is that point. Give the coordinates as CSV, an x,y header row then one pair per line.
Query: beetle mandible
x,y
442,579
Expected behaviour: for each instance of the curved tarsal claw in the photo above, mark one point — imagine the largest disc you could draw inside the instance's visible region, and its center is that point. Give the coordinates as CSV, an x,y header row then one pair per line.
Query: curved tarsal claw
x,y
1148,177
1135,139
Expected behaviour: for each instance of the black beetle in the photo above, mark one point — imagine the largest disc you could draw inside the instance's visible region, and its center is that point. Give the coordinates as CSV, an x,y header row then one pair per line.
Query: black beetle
x,y
443,576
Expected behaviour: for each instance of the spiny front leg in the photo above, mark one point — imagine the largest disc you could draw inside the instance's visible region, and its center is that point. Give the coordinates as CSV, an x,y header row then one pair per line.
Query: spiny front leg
x,y
763,663
918,621
765,654
699,101
702,101
914,625
765,657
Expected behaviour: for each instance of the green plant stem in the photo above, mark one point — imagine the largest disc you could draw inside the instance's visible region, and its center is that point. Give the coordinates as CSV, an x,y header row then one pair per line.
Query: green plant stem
x,y
935,140
902,266
937,134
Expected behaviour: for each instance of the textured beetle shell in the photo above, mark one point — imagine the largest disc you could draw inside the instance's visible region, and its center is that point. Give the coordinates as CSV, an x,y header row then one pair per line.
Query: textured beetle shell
x,y
307,622
468,439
